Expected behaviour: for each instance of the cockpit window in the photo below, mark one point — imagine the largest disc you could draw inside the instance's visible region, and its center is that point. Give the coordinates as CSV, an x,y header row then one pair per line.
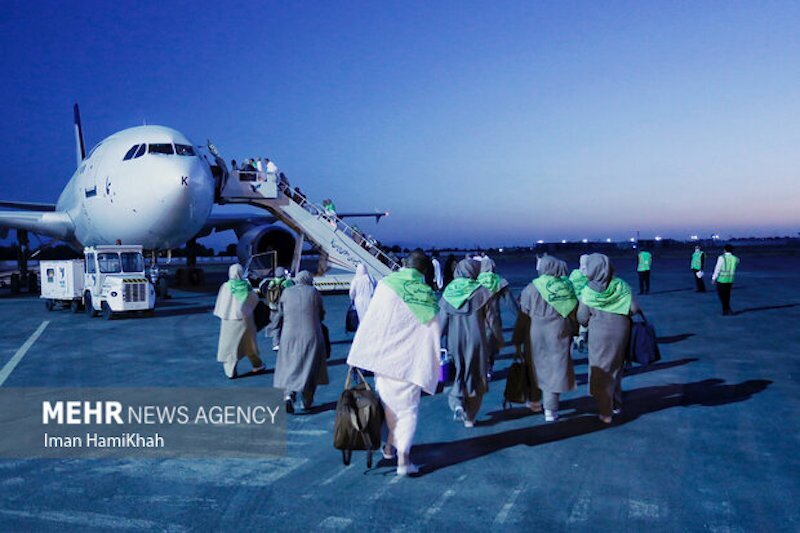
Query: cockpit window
x,y
184,149
131,152
141,151
161,149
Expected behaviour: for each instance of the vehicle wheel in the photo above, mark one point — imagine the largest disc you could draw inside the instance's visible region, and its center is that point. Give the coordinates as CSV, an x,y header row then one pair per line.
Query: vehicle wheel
x,y
106,310
346,454
89,307
49,304
75,306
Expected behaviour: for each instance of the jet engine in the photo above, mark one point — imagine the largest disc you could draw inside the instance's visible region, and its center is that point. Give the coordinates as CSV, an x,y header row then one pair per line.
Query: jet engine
x,y
262,239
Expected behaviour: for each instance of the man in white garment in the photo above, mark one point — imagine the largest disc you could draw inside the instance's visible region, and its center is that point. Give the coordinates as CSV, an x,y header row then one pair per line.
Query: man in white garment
x,y
398,340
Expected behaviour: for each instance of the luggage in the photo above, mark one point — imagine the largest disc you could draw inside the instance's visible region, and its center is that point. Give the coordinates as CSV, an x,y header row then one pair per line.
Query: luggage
x,y
447,370
359,417
351,319
643,344
261,315
517,382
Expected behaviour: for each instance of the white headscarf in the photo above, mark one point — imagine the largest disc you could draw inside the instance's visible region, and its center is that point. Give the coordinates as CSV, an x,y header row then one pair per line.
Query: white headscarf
x,y
228,307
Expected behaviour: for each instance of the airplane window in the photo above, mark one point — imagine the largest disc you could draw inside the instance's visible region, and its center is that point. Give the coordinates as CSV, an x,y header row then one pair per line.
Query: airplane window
x,y
130,153
161,149
184,149
132,262
141,150
109,263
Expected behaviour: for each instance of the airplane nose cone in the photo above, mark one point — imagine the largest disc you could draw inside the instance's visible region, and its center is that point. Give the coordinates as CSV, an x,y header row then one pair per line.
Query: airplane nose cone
x,y
186,201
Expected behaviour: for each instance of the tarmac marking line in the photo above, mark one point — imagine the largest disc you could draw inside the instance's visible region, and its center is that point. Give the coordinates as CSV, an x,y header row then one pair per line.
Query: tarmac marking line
x,y
335,522
383,489
336,475
502,516
12,364
446,495
580,511
308,432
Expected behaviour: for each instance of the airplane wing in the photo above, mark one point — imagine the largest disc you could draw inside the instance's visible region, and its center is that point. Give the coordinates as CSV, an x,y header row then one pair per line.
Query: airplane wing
x,y
28,206
52,224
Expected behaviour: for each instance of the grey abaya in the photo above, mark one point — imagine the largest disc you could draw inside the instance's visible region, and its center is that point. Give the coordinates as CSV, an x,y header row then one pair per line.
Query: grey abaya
x,y
550,337
468,342
301,363
608,338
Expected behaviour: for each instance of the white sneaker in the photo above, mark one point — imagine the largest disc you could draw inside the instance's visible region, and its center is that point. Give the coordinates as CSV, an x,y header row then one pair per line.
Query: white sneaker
x,y
550,416
536,407
275,348
469,423
407,470
604,419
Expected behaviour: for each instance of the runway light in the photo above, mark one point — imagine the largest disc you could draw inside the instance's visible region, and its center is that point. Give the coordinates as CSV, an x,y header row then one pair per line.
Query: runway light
x,y
563,241
608,239
584,241
658,237
540,241
632,239
694,238
500,250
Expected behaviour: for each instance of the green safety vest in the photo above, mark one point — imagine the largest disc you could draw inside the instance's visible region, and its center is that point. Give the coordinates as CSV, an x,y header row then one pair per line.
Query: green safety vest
x,y
728,272
645,261
697,260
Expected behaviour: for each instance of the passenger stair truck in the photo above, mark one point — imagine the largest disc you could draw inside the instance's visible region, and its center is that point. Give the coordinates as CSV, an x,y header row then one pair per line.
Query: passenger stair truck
x,y
110,280
339,244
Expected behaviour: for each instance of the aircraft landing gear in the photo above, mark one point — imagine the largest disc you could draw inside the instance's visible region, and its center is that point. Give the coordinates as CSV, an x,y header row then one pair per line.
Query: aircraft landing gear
x,y
23,277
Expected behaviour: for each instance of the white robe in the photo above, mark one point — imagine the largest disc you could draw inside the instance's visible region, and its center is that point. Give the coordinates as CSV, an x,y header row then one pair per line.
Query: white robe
x,y
390,341
438,279
361,290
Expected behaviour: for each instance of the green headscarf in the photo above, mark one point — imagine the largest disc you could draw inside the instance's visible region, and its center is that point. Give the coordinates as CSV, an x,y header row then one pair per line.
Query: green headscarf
x,y
465,283
410,286
615,299
239,288
578,280
558,292
490,280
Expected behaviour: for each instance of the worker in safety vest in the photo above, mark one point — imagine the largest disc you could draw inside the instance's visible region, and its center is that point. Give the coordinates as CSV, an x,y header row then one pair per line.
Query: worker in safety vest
x,y
698,265
643,269
724,274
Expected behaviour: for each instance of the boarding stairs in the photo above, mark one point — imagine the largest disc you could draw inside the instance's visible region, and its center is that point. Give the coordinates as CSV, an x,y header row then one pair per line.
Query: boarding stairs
x,y
342,245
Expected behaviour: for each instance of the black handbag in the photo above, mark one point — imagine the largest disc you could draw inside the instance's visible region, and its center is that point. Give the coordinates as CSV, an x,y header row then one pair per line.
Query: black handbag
x,y
351,319
359,417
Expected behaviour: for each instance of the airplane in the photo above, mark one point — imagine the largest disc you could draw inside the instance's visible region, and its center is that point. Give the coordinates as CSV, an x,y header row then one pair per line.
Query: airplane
x,y
147,185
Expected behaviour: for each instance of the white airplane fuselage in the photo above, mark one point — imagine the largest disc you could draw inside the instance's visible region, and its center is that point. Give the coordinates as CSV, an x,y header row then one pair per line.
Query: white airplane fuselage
x,y
148,196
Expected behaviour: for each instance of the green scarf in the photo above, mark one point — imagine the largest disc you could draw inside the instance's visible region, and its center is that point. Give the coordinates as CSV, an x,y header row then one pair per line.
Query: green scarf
x,y
615,299
557,292
239,288
490,280
410,286
578,281
459,290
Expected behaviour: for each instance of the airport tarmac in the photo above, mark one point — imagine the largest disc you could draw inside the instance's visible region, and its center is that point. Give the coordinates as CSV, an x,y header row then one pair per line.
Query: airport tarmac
x,y
707,440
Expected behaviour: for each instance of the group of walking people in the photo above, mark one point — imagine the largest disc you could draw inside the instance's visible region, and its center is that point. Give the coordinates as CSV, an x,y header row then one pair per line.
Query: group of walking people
x,y
404,325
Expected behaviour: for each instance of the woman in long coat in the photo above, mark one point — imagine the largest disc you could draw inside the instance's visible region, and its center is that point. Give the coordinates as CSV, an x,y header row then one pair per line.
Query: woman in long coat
x,y
236,301
606,305
301,363
551,304
464,313
499,289
362,287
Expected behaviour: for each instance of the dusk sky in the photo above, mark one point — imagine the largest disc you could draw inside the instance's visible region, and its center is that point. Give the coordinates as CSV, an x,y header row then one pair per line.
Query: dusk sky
x,y
490,123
